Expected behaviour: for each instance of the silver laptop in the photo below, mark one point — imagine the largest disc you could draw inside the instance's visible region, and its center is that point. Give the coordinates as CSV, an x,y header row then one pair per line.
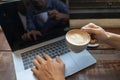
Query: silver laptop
x,y
53,44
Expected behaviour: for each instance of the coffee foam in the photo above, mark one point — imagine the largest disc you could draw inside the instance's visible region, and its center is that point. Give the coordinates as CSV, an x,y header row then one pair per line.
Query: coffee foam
x,y
77,37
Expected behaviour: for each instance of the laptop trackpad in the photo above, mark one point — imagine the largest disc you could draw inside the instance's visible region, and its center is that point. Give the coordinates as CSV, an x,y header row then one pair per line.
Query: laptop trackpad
x,y
75,62
83,59
70,66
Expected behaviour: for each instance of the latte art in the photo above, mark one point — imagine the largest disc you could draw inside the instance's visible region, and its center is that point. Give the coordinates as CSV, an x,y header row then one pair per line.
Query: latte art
x,y
76,39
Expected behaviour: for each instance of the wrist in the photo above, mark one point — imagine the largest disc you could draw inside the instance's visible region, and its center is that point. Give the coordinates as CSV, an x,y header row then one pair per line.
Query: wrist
x,y
107,38
59,78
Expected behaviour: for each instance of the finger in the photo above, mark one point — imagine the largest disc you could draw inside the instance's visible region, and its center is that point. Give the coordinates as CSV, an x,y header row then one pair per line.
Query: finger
x,y
47,57
50,13
39,33
90,30
36,63
58,17
23,37
35,37
35,71
40,60
36,34
58,60
90,25
28,35
55,11
93,41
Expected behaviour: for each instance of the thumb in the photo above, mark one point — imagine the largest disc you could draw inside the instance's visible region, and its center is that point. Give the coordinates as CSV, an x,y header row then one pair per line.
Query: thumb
x,y
58,60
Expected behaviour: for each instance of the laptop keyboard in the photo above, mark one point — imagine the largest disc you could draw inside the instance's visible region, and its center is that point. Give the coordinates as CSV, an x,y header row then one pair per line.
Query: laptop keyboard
x,y
54,49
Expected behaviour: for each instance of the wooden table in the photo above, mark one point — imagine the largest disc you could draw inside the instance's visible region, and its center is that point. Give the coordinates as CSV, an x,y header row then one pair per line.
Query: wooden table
x,y
106,68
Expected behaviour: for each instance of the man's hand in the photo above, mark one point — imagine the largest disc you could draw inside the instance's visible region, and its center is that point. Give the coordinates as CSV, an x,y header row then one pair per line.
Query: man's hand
x,y
97,32
100,34
57,15
33,34
47,69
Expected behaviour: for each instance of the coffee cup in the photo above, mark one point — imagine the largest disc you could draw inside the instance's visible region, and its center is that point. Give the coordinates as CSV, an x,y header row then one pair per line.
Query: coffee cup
x,y
77,40
43,16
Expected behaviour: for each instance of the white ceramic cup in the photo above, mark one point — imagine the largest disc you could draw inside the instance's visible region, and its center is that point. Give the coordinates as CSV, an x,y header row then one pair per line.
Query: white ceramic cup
x,y
77,40
43,16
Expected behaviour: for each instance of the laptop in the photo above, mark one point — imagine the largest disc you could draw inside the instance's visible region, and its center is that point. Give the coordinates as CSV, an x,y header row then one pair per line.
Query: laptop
x,y
24,52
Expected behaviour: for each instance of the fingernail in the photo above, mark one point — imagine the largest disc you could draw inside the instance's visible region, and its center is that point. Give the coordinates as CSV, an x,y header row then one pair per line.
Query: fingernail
x,y
31,69
44,54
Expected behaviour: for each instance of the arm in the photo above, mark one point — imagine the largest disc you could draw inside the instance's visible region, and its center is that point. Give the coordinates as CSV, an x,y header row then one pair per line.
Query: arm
x,y
60,11
63,10
100,34
113,40
60,6
55,14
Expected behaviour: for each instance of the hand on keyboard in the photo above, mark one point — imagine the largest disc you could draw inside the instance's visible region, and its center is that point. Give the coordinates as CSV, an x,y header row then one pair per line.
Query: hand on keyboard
x,y
47,69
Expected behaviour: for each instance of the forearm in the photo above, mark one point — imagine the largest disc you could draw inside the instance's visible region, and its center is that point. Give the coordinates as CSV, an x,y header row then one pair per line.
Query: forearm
x,y
113,40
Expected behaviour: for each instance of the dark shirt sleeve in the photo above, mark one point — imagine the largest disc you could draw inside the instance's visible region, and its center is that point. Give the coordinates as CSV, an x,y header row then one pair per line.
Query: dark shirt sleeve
x,y
30,23
60,6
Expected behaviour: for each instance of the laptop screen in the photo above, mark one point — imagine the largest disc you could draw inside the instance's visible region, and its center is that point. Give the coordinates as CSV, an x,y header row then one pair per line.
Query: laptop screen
x,y
28,22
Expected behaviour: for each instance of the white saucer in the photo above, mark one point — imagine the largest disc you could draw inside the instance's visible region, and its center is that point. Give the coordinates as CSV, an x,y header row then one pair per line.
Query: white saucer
x,y
93,45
